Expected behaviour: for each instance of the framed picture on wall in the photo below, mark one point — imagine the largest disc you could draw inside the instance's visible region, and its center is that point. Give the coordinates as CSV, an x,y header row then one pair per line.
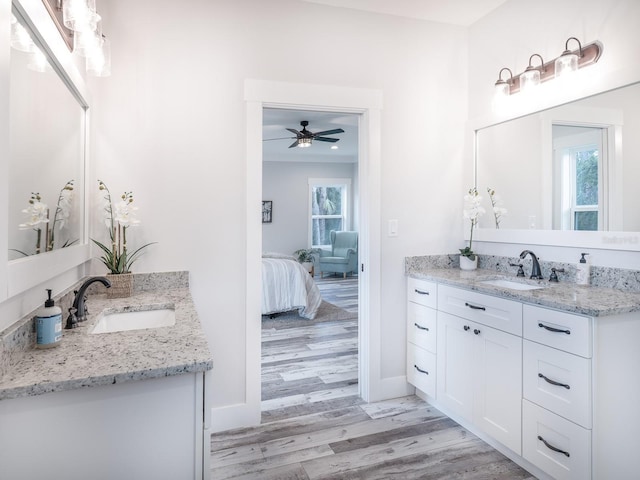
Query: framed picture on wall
x,y
267,211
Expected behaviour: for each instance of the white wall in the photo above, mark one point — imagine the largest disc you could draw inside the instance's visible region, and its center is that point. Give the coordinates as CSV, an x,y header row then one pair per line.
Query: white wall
x,y
509,35
286,184
169,125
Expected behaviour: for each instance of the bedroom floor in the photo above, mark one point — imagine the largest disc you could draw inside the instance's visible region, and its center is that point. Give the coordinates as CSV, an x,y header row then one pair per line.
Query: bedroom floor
x,y
314,425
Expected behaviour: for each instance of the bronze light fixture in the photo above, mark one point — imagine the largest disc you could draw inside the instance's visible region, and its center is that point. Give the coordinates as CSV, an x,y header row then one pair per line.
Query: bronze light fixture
x,y
569,61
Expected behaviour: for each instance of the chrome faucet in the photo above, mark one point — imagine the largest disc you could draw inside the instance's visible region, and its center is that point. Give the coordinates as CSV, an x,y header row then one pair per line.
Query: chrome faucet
x,y
535,269
78,313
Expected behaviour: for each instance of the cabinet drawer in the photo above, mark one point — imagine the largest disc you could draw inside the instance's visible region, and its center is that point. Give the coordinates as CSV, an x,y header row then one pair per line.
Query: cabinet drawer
x,y
421,369
421,326
422,292
572,398
565,331
505,315
573,462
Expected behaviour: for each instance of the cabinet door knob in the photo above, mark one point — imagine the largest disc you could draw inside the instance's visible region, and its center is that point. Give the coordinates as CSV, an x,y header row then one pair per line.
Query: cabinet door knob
x,y
466,328
476,331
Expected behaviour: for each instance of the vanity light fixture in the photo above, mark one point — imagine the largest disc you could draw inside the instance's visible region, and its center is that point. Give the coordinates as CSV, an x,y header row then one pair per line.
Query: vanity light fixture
x,y
503,87
569,61
530,78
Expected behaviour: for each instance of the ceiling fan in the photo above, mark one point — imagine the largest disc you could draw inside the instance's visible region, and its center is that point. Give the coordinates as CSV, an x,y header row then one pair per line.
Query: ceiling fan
x,y
304,137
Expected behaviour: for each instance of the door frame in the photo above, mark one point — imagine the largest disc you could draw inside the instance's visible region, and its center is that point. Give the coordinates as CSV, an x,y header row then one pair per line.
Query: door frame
x,y
259,94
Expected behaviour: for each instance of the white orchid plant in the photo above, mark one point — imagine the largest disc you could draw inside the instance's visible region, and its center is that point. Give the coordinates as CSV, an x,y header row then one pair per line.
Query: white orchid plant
x,y
119,216
496,204
472,211
37,214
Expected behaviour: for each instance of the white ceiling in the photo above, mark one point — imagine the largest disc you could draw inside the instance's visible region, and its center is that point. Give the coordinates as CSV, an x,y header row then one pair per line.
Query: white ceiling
x,y
455,12
275,122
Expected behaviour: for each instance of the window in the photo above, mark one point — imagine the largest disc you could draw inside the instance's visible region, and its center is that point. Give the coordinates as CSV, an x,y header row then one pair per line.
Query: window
x,y
328,209
578,153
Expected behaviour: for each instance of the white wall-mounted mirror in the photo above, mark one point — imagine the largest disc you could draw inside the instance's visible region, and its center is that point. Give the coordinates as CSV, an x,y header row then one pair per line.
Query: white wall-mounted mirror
x,y
47,120
572,167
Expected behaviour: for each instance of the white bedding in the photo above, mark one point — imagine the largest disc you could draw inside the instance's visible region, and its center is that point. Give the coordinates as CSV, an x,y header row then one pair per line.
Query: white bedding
x,y
286,285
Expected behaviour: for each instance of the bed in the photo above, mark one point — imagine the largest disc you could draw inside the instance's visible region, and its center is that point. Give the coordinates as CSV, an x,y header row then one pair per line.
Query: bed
x,y
286,285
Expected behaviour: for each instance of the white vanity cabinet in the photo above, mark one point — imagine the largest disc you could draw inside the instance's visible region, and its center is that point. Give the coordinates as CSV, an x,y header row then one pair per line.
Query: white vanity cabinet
x,y
421,335
555,391
479,365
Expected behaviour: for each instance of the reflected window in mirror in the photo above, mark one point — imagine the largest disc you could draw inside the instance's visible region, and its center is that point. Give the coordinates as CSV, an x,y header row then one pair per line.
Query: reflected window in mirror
x,y
47,140
578,185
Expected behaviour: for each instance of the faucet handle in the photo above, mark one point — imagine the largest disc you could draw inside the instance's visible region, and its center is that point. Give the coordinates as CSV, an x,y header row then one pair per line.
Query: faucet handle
x,y
72,320
520,269
554,274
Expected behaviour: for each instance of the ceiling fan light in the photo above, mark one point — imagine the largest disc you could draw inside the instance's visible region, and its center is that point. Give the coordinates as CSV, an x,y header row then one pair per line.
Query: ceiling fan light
x,y
304,142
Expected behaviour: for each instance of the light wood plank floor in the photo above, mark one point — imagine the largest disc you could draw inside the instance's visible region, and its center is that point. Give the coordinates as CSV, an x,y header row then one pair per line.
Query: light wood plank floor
x,y
314,425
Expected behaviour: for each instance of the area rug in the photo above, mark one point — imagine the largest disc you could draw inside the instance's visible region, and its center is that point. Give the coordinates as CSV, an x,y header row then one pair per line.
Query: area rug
x,y
327,312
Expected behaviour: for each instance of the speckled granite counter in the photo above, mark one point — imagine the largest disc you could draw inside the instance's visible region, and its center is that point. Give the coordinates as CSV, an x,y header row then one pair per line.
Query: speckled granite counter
x,y
585,300
85,360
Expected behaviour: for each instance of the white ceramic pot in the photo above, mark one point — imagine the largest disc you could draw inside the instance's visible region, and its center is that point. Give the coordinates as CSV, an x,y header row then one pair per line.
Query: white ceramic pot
x,y
468,264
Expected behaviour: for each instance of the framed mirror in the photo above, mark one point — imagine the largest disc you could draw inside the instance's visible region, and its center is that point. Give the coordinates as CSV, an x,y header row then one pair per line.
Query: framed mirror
x,y
570,168
47,118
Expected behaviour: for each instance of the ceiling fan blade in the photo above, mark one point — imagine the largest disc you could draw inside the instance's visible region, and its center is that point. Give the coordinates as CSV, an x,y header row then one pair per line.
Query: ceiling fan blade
x,y
329,132
281,138
295,132
294,144
326,139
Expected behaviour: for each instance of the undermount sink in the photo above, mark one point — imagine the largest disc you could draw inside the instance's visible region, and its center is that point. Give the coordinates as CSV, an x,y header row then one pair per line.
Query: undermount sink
x,y
109,322
511,284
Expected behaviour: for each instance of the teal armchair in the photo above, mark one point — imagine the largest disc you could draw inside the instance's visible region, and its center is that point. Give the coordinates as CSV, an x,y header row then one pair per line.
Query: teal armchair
x,y
343,256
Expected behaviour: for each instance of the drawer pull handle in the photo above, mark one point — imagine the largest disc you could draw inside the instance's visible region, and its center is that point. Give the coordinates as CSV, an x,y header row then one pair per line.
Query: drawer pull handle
x,y
474,307
421,327
552,382
551,447
420,370
420,292
555,330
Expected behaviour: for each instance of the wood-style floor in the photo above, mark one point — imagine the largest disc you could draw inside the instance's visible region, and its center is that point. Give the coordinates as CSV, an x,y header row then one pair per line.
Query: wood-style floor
x,y
314,425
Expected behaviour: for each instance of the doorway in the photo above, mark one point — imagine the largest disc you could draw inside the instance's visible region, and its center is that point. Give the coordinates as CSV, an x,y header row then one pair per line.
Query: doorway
x,y
368,104
310,180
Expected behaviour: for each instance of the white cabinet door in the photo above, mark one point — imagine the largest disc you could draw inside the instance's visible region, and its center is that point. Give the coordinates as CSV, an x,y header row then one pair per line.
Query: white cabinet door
x,y
480,377
498,385
455,364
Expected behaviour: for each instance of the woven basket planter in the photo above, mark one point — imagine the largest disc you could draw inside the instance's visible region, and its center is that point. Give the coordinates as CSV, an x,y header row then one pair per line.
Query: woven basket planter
x,y
121,285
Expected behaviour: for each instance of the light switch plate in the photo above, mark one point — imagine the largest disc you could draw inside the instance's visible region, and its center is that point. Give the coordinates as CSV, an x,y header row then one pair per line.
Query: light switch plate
x,y
393,228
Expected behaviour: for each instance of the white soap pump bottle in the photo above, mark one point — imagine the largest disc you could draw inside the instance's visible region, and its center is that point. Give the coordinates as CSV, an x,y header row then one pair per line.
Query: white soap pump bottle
x,y
583,273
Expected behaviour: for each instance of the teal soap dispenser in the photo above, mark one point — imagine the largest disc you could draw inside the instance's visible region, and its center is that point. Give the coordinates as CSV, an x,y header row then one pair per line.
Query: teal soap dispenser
x,y
48,324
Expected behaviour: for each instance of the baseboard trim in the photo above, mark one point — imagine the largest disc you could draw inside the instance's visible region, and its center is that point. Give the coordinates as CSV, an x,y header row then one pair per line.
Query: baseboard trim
x,y
234,416
392,387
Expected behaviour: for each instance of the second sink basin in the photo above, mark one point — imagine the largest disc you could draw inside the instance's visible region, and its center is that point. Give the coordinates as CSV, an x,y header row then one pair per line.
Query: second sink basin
x,y
134,320
511,284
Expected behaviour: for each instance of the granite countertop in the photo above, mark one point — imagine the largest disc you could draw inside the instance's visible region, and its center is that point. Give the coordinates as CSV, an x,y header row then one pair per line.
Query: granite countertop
x,y
585,300
86,360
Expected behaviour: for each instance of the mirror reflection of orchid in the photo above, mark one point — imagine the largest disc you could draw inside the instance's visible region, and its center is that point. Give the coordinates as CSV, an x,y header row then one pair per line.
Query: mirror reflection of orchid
x,y
472,211
496,204
119,215
37,219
